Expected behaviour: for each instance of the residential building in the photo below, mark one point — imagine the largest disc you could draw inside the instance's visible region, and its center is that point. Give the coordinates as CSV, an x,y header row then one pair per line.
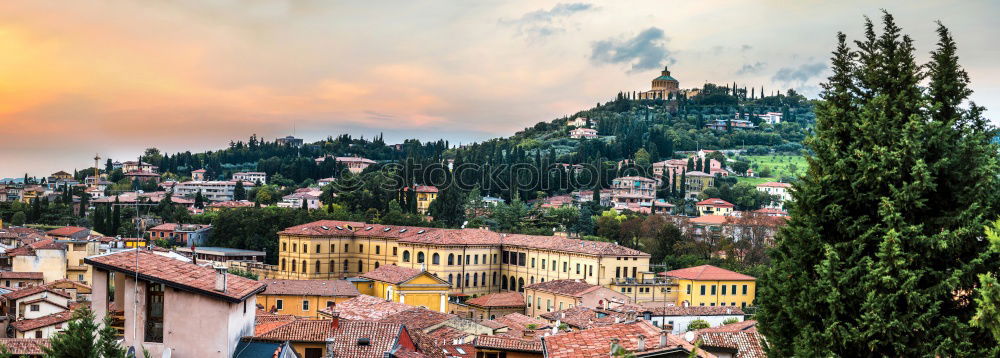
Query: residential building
x,y
410,286
259,178
143,176
229,204
509,347
77,291
714,206
69,232
290,141
204,312
16,280
310,196
34,302
734,340
425,196
198,175
221,256
677,318
135,166
490,306
781,192
663,86
556,295
354,164
182,234
633,193
577,122
640,338
210,190
304,298
76,251
42,327
335,337
61,175
646,287
771,118
474,261
696,182
25,347
729,124
707,285
583,133
47,256
325,181
147,199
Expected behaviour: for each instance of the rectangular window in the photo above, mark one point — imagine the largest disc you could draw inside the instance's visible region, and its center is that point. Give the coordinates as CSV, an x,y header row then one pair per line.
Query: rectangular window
x,y
318,249
590,270
34,308
633,272
733,291
532,262
284,247
467,260
361,248
565,266
503,258
521,260
305,249
154,312
333,248
543,266
712,304
278,304
560,306
702,290
713,290
393,251
724,290
548,305
305,305
744,289
347,248
477,259
295,247
529,301
618,272
577,268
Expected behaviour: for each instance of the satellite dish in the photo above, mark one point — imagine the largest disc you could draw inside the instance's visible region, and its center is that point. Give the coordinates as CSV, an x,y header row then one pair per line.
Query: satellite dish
x,y
689,336
166,353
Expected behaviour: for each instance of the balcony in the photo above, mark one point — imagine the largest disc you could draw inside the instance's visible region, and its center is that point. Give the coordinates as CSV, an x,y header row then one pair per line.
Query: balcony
x,y
630,281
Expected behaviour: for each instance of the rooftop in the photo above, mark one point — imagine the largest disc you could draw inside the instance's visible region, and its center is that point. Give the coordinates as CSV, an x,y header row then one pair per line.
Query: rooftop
x,y
44,321
31,290
569,287
364,307
508,344
658,309
25,346
66,231
328,288
221,251
21,275
774,184
741,336
716,202
177,274
381,337
596,342
500,299
392,274
707,273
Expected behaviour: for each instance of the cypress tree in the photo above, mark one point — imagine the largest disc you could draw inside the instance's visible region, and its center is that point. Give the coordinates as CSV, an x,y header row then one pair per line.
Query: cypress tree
x,y
239,192
690,164
882,251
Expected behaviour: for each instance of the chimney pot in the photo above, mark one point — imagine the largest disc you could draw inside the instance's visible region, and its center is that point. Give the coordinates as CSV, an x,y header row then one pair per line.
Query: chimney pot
x,y
334,321
220,279
642,343
663,338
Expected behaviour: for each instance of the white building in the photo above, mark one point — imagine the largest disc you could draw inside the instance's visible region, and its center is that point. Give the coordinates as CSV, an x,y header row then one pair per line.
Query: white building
x,y
583,133
253,177
211,190
770,117
781,190
578,122
680,317
309,195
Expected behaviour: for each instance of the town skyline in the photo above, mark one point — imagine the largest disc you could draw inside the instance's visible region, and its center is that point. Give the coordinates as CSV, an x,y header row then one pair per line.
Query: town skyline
x,y
274,69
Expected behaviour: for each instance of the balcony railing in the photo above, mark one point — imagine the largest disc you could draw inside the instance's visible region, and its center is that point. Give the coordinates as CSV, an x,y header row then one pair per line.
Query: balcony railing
x,y
630,281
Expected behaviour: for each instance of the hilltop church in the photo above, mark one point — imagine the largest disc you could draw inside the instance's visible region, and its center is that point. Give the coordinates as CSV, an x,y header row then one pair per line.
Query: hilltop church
x,y
663,86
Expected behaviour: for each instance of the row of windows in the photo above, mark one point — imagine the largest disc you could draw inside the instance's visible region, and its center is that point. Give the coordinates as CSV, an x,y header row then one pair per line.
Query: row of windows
x,y
724,291
643,290
518,259
280,304
318,268
548,304
471,280
333,248
624,270
436,258
742,304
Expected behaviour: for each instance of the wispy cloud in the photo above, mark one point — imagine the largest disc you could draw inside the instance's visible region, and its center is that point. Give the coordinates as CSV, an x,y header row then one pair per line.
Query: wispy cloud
x,y
751,68
799,74
543,23
647,50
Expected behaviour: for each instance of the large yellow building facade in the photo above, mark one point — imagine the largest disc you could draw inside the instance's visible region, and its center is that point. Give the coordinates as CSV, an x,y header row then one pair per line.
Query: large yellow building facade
x,y
406,285
473,261
708,285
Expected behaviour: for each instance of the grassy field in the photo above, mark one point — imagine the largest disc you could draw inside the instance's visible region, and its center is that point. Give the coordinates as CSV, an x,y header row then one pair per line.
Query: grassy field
x,y
778,165
754,181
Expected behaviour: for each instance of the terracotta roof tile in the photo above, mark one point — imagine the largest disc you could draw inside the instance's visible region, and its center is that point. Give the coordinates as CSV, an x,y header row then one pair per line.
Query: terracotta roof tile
x,y
596,342
382,337
508,344
417,318
28,291
741,336
21,275
520,322
581,317
658,309
66,231
707,273
368,308
568,287
774,184
500,299
327,288
175,273
25,346
44,321
392,274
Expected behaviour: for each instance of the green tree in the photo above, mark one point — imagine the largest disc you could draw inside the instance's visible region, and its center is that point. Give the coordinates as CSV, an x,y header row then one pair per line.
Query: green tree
x,y
698,324
82,338
199,200
887,224
988,293
239,192
18,219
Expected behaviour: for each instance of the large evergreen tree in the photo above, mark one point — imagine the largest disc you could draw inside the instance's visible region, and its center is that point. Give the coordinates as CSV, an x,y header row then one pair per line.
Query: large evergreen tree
x,y
885,241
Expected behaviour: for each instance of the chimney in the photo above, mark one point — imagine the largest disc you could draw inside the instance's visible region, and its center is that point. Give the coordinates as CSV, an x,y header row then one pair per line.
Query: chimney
x,y
641,346
334,320
194,254
329,348
220,279
562,314
663,337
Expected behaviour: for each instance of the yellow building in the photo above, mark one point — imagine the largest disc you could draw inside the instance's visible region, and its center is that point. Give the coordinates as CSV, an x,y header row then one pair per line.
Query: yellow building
x,y
425,196
648,287
708,285
544,297
304,298
474,261
714,206
406,285
695,182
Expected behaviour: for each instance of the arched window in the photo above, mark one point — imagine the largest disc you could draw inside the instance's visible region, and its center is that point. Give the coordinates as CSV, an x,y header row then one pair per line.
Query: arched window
x,y
520,285
317,267
345,265
483,279
466,280
451,259
451,279
494,278
436,259
361,266
475,280
503,282
513,284
532,280
420,257
333,266
293,265
376,264
282,264
303,265
406,255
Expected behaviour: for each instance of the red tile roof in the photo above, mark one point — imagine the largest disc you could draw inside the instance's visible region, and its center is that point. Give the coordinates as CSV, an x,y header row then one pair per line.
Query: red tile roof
x,y
596,342
28,291
66,231
177,274
392,274
25,346
568,287
710,220
741,336
657,309
716,202
326,288
520,322
500,299
417,318
707,273
774,184
368,308
581,317
21,275
44,321
508,344
382,337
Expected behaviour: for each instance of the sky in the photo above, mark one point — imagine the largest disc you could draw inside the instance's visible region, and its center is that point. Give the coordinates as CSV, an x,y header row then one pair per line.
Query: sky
x,y
114,77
